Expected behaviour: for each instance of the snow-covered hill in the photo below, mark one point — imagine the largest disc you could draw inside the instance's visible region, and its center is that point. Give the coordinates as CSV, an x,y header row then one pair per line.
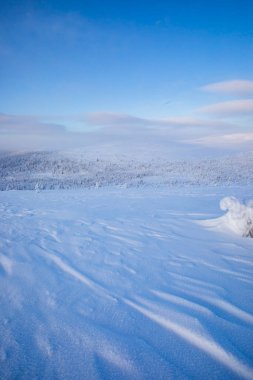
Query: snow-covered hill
x,y
50,170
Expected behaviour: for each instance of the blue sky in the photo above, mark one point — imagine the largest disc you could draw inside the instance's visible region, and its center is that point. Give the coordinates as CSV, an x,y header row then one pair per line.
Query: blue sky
x,y
77,66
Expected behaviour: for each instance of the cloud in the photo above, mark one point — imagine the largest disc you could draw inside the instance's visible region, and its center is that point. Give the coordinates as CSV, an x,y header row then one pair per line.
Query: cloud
x,y
242,107
114,132
105,123
20,132
233,139
29,133
120,121
23,125
232,87
114,119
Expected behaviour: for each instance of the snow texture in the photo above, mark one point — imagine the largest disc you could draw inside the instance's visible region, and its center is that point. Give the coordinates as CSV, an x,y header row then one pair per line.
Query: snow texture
x,y
135,283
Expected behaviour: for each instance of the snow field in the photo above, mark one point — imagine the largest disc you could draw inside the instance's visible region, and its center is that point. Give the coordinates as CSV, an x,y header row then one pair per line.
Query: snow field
x,y
124,284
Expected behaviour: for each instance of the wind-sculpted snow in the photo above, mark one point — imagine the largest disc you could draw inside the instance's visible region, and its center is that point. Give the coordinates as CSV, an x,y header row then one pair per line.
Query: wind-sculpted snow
x,y
124,284
238,218
51,170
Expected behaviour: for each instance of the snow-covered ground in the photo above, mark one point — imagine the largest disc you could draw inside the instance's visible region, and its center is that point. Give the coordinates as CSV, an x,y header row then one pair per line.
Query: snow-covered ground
x,y
124,283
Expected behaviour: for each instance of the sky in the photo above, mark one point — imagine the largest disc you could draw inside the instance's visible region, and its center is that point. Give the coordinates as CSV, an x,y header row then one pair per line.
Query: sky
x,y
75,73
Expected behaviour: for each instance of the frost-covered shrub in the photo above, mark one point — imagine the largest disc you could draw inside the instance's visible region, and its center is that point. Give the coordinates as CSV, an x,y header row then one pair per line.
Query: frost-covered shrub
x,y
239,217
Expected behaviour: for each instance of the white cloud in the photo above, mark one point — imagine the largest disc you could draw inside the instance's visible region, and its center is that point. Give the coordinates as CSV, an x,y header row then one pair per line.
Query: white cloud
x,y
242,107
23,125
225,140
120,121
116,132
114,119
19,132
232,87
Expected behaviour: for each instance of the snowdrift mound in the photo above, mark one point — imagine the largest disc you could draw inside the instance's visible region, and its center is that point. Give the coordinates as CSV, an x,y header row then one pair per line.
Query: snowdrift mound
x,y
238,217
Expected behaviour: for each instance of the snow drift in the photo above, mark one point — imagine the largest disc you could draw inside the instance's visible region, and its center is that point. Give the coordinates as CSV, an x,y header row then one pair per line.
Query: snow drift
x,y
238,218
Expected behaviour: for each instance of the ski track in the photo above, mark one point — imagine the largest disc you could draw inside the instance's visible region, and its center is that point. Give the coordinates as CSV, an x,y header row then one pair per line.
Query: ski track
x,y
123,284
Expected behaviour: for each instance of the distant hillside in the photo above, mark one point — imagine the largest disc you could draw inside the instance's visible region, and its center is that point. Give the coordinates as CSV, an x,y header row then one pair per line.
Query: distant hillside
x,y
51,170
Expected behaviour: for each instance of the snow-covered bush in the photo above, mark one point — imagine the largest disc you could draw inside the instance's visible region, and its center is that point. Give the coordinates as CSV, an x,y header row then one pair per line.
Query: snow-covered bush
x,y
239,217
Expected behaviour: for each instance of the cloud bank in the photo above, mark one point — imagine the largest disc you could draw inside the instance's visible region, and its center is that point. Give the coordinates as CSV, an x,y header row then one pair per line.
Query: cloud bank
x,y
232,87
19,132
210,126
120,121
232,140
242,107
25,125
